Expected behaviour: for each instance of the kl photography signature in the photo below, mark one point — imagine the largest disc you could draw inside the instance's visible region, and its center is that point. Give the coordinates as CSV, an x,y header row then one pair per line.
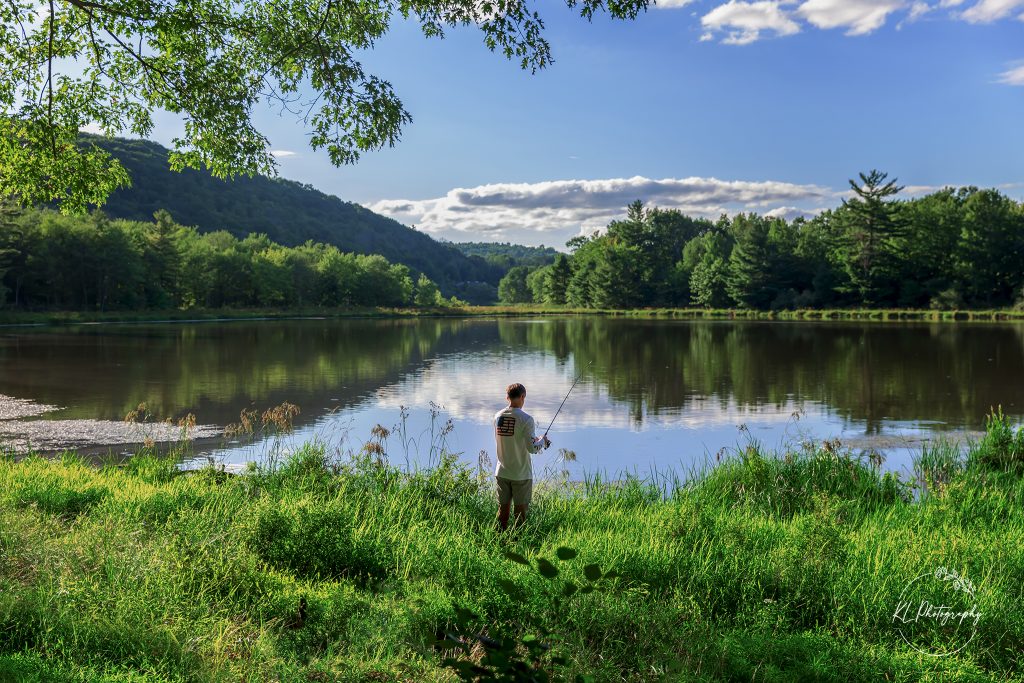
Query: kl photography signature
x,y
937,612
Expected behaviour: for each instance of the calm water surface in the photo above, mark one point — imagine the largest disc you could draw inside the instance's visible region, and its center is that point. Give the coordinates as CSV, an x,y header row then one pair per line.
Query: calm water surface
x,y
658,394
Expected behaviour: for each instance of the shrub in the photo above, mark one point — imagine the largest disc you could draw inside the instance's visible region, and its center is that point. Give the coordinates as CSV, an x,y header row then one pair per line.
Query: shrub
x,y
316,538
796,482
1001,449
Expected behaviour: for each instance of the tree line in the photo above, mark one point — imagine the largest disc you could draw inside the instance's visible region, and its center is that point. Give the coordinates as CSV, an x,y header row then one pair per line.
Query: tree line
x,y
954,248
49,261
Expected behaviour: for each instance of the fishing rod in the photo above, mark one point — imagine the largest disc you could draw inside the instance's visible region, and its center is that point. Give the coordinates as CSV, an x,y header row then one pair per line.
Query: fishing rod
x,y
578,378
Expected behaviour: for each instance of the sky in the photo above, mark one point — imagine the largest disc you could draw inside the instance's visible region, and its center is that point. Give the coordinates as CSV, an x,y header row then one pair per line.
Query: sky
x,y
708,107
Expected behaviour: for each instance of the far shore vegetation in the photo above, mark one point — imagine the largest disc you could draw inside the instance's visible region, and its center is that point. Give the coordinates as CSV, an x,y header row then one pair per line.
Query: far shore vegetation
x,y
955,254
957,248
330,566
57,318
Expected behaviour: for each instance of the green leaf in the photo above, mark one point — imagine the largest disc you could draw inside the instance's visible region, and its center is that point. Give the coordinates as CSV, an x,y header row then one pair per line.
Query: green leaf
x,y
546,569
564,553
512,589
592,572
516,557
464,615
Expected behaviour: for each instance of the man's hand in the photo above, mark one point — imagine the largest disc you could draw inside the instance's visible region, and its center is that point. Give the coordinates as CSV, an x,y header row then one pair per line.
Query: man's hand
x,y
547,442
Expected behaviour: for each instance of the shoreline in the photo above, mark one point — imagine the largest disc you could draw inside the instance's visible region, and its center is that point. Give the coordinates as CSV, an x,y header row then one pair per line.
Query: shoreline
x,y
28,427
16,319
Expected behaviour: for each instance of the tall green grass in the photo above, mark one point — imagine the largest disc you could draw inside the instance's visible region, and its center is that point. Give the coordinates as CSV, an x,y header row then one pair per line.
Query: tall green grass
x,y
766,567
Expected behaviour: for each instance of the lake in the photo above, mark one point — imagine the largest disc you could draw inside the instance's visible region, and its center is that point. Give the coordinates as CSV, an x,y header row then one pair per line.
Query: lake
x,y
655,395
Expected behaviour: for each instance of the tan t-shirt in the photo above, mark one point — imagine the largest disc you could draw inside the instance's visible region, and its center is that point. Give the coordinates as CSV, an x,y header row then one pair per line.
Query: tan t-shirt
x,y
514,431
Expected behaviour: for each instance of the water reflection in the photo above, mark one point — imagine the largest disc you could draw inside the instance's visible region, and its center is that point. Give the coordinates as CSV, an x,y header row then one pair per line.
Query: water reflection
x,y
654,387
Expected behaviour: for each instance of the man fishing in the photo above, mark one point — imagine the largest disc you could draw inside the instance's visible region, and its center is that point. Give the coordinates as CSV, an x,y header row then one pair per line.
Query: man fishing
x,y
515,433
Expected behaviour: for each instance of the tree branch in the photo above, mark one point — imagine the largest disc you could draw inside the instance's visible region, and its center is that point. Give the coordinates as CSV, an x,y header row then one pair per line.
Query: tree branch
x,y
49,82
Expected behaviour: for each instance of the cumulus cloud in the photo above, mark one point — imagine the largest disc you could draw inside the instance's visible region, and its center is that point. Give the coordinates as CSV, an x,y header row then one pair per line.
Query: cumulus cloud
x,y
743,22
1013,75
553,211
859,17
986,11
792,212
917,10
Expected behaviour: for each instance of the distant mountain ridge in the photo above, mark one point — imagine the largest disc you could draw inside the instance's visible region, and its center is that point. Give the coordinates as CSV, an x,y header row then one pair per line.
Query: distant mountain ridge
x,y
290,213
506,255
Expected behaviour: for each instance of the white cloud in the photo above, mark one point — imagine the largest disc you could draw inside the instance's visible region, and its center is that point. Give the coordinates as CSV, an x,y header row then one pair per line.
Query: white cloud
x,y
553,211
918,10
859,17
1013,76
791,212
919,190
744,21
671,4
986,11
282,153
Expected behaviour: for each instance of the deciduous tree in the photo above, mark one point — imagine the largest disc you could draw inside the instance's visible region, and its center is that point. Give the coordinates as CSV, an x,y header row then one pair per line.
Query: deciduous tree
x,y
67,64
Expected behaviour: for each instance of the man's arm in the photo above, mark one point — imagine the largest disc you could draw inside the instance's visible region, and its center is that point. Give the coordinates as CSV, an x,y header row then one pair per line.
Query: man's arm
x,y
536,443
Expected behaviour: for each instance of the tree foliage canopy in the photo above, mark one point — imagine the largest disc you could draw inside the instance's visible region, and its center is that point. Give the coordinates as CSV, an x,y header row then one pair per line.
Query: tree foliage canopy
x,y
67,64
53,262
952,248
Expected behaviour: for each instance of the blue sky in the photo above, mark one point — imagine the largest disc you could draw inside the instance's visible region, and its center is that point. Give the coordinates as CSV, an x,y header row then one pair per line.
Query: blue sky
x,y
708,106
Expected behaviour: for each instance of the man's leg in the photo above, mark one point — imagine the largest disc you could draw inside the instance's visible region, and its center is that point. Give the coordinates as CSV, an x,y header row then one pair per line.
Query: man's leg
x,y
521,512
523,494
503,510
504,489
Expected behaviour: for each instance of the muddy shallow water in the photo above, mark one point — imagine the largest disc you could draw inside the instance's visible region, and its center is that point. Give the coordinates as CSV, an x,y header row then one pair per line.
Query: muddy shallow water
x,y
54,434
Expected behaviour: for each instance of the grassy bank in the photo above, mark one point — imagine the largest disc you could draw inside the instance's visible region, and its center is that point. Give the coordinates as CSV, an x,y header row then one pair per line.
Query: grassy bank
x,y
14,318
764,568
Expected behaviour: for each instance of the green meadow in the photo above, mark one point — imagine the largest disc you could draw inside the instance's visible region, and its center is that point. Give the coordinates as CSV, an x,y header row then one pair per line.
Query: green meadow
x,y
320,567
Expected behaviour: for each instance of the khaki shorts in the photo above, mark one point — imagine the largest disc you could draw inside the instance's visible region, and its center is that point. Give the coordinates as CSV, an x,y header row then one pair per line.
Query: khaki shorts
x,y
514,491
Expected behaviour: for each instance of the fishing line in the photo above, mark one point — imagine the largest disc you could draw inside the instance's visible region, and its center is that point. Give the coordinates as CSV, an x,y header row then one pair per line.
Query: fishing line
x,y
578,378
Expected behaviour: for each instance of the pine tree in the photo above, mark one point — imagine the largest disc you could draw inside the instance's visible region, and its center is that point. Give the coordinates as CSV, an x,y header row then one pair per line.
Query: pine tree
x,y
871,239
750,278
163,261
558,280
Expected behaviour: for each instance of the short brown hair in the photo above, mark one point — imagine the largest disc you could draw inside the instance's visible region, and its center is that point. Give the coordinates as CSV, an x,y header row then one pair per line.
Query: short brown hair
x,y
515,390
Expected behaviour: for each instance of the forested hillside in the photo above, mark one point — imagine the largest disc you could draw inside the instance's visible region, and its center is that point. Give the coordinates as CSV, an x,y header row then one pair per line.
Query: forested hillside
x,y
93,263
289,213
505,255
955,248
